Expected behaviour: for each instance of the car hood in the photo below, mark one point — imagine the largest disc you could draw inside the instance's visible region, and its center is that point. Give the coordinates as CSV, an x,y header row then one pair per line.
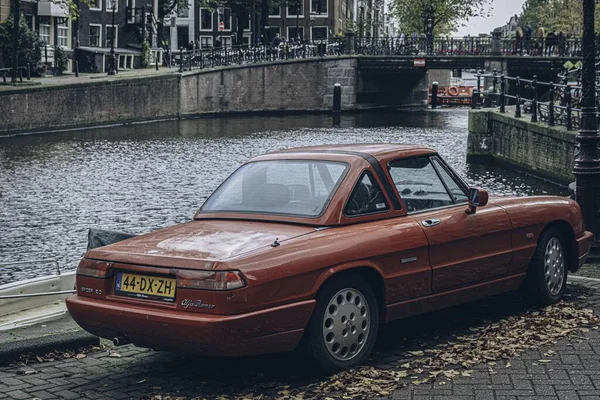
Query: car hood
x,y
198,244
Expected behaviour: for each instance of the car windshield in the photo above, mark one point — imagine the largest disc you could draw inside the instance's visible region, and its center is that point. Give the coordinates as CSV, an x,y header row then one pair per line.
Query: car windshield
x,y
289,187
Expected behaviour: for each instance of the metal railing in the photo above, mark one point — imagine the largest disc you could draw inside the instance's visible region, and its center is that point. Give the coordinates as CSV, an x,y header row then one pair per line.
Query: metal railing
x,y
550,102
23,295
210,57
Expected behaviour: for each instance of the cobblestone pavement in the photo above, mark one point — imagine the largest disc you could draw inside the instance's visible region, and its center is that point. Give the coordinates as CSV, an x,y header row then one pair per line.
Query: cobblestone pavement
x,y
572,372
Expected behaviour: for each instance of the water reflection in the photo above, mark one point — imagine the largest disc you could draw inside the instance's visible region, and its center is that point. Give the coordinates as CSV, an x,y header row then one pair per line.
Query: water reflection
x,y
135,178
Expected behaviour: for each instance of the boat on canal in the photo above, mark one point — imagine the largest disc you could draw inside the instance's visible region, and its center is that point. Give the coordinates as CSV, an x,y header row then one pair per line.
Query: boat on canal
x,y
455,94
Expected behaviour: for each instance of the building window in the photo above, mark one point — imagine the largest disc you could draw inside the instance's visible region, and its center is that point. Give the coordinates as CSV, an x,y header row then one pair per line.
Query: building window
x,y
206,42
292,9
95,35
62,32
274,11
45,30
95,5
247,24
318,7
318,33
206,19
292,32
29,19
109,33
226,41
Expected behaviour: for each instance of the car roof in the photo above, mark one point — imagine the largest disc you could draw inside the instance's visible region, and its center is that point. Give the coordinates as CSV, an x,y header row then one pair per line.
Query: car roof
x,y
377,150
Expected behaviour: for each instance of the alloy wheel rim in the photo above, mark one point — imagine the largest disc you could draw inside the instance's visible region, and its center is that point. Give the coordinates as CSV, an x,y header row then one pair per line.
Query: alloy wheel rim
x,y
554,266
346,324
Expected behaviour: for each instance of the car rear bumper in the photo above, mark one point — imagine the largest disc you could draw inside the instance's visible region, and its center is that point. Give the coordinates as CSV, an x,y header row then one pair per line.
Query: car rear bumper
x,y
584,243
272,330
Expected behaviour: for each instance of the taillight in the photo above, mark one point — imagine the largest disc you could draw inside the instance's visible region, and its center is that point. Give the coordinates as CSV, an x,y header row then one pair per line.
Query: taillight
x,y
95,269
210,280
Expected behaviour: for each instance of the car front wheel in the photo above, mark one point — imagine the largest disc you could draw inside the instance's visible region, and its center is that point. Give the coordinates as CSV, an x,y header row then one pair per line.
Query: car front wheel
x,y
343,328
547,274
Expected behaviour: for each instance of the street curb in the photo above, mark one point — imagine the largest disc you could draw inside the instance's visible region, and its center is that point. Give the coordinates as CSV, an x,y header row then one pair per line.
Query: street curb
x,y
44,344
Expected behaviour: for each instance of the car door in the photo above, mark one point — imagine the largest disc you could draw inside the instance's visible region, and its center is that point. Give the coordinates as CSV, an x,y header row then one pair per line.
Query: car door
x,y
463,248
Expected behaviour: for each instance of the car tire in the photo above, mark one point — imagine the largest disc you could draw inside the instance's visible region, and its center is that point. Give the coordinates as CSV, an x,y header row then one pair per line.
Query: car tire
x,y
343,328
546,278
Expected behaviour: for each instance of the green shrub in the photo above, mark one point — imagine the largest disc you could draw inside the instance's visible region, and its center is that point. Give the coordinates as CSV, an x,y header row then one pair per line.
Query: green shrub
x,y
30,46
61,61
145,54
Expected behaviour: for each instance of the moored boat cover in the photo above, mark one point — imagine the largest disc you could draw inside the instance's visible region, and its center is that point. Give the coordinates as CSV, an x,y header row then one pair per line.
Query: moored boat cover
x,y
103,237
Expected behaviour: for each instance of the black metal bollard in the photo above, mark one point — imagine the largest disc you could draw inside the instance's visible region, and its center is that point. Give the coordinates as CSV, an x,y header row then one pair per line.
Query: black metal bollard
x,y
502,92
534,117
569,111
20,75
156,61
474,98
434,94
495,87
551,106
181,59
337,98
518,96
28,71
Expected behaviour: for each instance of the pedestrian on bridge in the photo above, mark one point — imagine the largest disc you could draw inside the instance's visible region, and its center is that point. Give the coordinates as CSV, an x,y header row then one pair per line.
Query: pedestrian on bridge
x,y
518,46
539,39
527,32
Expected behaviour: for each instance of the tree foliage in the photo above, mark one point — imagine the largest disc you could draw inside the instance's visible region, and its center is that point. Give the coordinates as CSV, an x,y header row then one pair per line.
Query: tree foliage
x,y
29,49
562,15
448,14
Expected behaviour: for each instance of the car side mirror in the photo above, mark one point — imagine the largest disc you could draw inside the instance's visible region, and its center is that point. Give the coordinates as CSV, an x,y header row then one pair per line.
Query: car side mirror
x,y
477,198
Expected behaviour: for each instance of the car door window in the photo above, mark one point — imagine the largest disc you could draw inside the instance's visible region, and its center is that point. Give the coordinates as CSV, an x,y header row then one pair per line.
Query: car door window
x,y
419,185
366,198
456,191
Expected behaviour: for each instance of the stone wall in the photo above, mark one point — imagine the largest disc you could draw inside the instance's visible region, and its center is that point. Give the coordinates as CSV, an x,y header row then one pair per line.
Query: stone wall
x,y
294,85
98,103
535,147
291,85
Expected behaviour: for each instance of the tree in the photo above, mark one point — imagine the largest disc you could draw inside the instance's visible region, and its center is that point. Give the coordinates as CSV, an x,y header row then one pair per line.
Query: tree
x,y
562,15
29,49
448,15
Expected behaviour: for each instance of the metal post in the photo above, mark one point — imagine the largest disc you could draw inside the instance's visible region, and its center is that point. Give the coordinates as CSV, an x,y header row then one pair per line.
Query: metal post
x,y
181,60
587,161
474,98
502,93
337,98
495,86
518,96
156,61
28,71
551,106
534,117
434,93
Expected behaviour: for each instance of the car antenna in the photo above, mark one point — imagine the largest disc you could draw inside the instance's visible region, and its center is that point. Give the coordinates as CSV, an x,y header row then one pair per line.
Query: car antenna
x,y
275,243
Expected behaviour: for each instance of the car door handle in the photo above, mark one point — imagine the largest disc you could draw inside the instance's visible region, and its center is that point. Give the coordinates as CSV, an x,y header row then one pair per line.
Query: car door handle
x,y
430,222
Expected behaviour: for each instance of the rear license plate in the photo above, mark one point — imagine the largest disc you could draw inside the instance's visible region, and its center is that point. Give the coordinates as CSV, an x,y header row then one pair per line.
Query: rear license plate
x,y
145,287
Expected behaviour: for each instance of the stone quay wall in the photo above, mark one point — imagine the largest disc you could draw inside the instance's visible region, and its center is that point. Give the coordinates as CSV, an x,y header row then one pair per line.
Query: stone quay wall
x,y
293,85
537,148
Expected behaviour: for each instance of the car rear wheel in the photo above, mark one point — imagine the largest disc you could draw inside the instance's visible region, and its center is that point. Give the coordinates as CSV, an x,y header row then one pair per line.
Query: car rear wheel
x,y
343,328
547,274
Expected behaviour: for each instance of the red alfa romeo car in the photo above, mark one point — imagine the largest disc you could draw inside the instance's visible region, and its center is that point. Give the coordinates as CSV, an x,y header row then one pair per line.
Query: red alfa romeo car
x,y
316,247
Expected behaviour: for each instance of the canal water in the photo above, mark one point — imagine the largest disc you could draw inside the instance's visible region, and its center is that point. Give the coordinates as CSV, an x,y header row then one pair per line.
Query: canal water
x,y
137,178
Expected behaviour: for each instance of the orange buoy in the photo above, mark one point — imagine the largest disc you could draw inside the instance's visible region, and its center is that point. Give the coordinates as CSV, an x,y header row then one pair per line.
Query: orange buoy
x,y
453,91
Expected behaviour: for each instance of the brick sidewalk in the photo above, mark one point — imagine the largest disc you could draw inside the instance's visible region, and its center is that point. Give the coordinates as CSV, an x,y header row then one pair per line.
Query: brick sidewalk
x,y
570,369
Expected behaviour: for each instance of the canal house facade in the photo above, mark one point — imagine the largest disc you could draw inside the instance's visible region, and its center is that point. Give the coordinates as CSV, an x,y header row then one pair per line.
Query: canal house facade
x,y
134,22
52,23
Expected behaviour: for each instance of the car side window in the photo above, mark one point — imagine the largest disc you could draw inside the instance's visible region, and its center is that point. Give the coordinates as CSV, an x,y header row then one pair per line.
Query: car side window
x,y
419,185
456,191
366,198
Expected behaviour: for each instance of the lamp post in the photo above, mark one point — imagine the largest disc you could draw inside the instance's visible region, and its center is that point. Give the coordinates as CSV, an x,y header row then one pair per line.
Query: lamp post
x,y
587,159
298,5
111,67
361,23
220,12
428,19
15,44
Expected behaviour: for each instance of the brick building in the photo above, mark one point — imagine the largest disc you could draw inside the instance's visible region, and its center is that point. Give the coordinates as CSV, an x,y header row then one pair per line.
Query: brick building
x,y
134,21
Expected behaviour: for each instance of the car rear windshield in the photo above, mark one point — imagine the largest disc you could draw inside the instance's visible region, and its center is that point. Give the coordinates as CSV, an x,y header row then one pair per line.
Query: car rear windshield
x,y
288,187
